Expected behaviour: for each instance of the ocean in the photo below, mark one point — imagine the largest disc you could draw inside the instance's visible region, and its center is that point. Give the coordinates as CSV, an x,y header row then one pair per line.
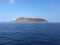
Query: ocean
x,y
30,33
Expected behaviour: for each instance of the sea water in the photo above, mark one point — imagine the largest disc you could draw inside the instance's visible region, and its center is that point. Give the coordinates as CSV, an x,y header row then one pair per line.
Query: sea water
x,y
30,33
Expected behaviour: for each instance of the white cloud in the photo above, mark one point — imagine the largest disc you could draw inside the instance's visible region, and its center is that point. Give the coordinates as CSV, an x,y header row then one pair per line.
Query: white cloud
x,y
1,19
11,2
13,18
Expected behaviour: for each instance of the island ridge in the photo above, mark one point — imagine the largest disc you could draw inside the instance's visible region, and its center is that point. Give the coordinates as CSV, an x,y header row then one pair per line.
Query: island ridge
x,y
22,19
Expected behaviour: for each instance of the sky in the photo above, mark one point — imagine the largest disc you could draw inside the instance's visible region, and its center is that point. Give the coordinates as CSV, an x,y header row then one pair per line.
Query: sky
x,y
47,9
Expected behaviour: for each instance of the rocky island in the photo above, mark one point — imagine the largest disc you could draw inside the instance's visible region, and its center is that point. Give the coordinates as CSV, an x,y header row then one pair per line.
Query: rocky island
x,y
22,19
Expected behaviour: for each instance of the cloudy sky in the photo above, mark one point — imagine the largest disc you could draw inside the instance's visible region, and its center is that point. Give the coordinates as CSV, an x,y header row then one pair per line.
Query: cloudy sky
x,y
47,9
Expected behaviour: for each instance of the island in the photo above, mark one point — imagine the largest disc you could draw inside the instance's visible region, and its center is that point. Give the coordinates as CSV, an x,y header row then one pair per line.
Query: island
x,y
22,19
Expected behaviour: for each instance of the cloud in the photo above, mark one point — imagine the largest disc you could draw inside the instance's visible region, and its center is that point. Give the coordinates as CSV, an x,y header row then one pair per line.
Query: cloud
x,y
11,2
1,19
13,18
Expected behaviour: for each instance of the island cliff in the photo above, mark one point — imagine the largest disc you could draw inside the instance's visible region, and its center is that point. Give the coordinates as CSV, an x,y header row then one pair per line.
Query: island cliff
x,y
29,20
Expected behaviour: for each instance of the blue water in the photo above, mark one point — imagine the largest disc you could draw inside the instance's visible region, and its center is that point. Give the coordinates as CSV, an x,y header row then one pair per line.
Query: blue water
x,y
29,33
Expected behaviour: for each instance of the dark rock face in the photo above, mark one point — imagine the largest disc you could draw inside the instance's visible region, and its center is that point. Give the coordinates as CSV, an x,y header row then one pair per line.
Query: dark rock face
x,y
29,20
